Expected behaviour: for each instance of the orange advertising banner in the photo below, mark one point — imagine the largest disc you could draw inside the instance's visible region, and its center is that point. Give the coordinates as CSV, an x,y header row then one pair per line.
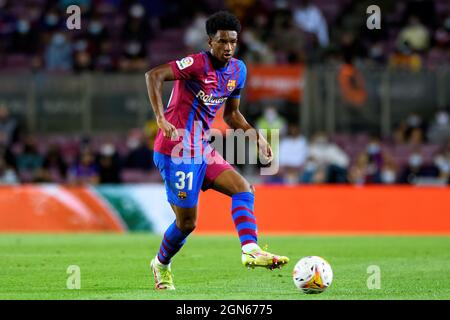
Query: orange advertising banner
x,y
335,210
272,82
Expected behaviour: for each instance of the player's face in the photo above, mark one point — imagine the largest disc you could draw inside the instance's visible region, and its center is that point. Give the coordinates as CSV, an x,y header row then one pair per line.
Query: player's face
x,y
223,45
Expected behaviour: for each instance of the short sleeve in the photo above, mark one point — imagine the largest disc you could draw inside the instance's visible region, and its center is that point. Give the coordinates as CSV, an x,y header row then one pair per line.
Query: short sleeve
x,y
242,76
190,67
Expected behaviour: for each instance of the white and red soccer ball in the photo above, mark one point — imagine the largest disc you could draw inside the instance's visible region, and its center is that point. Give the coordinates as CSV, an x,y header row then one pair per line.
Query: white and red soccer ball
x,y
312,274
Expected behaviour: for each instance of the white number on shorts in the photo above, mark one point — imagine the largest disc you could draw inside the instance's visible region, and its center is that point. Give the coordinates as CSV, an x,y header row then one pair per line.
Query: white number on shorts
x,y
182,178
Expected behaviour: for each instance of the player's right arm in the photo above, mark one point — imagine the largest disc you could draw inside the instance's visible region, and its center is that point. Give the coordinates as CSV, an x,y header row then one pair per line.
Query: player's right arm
x,y
154,80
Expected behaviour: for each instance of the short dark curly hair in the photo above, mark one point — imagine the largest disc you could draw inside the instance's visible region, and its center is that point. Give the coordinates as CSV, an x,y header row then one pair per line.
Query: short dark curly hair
x,y
222,20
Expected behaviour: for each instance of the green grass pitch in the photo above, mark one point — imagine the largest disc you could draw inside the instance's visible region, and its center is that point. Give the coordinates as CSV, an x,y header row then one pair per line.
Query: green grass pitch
x,y
208,267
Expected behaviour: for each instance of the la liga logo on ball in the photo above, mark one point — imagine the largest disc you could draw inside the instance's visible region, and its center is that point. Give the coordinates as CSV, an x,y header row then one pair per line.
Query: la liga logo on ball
x,y
312,275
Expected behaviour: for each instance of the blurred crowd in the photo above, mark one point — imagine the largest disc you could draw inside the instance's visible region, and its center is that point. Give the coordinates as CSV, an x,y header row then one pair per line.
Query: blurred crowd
x,y
418,152
134,35
27,158
129,35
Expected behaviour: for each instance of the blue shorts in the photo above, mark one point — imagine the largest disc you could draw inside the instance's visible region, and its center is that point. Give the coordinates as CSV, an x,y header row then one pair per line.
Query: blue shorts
x,y
183,180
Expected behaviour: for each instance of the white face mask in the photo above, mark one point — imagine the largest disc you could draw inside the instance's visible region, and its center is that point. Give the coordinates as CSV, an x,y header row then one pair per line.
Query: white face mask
x,y
388,176
415,160
442,164
23,26
107,150
132,143
271,115
442,118
373,148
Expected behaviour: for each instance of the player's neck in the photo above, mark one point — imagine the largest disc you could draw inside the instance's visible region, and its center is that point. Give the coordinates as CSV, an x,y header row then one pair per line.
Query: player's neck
x,y
216,63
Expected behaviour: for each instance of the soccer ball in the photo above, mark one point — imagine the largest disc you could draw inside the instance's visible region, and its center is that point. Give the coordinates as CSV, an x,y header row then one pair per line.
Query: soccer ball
x,y
312,274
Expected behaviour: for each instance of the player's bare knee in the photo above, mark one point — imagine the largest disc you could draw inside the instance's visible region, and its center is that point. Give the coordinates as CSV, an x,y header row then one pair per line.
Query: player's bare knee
x,y
242,186
186,225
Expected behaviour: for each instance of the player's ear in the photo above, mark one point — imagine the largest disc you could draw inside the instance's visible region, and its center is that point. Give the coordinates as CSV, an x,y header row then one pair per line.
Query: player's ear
x,y
210,42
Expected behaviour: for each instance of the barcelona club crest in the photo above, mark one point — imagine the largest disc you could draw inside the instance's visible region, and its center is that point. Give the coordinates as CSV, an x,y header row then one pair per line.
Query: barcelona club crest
x,y
231,85
182,195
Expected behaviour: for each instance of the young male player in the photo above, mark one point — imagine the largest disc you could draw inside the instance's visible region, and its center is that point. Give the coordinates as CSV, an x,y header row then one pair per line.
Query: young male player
x,y
204,82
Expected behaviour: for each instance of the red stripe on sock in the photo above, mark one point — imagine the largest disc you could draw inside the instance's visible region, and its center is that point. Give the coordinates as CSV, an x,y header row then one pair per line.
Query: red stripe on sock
x,y
248,241
241,208
247,231
167,250
242,219
168,242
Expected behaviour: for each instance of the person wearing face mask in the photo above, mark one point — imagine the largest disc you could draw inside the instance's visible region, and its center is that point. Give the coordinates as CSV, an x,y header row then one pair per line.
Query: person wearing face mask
x,y
58,54
439,132
442,163
140,156
416,169
330,157
25,38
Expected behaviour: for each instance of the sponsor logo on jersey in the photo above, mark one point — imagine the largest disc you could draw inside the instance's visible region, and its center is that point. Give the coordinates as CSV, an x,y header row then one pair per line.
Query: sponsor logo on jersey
x,y
185,62
210,100
231,85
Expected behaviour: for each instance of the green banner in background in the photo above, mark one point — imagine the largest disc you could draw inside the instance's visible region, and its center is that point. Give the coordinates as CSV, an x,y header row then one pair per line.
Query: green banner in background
x,y
141,207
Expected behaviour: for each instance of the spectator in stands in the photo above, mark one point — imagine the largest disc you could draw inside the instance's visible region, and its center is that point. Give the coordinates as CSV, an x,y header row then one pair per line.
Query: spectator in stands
x,y
405,59
54,165
7,174
271,120
256,50
439,54
309,18
389,170
83,60
29,161
135,36
97,34
351,83
58,54
195,37
439,131
25,38
85,171
293,154
109,164
359,171
105,61
140,156
9,127
416,169
329,158
287,40
415,34
415,128
410,130
442,162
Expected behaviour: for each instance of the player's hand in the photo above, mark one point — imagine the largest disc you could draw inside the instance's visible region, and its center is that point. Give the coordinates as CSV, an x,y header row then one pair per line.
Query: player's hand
x,y
265,150
168,129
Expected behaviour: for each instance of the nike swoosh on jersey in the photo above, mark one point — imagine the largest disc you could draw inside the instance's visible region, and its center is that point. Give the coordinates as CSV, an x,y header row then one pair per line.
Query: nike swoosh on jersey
x,y
209,81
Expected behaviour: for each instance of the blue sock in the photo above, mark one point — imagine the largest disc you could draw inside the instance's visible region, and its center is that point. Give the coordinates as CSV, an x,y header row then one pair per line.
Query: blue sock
x,y
243,217
172,242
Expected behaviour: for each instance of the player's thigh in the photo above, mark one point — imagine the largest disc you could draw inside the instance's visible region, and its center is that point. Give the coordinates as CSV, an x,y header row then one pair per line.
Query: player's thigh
x,y
183,179
230,182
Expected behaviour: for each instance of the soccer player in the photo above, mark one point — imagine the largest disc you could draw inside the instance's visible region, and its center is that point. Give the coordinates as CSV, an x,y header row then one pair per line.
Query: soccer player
x,y
203,83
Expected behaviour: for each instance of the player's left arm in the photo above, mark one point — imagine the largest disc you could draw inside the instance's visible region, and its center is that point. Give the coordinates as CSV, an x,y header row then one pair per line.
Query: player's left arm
x,y
235,120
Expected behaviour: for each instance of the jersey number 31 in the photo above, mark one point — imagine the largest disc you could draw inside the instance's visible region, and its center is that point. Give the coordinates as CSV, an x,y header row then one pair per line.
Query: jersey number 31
x,y
181,184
